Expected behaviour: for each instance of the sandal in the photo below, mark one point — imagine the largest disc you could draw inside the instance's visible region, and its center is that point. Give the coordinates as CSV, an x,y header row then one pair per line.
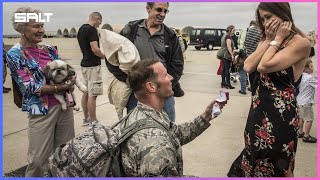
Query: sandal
x,y
309,139
300,135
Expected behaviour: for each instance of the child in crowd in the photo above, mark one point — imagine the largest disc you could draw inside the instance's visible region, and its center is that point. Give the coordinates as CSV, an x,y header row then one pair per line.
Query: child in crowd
x,y
305,100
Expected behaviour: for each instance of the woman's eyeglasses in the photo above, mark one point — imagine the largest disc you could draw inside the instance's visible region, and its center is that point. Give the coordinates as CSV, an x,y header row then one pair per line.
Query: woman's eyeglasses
x,y
160,10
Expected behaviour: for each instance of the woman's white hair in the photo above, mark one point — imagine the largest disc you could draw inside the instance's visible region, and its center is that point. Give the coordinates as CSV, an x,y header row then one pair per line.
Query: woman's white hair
x,y
20,26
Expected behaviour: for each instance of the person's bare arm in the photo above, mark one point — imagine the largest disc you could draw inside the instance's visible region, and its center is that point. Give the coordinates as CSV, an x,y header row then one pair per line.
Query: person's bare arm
x,y
297,50
96,50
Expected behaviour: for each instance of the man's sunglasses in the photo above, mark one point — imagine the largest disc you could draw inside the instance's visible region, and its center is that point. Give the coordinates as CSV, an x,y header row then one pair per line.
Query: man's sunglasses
x,y
160,10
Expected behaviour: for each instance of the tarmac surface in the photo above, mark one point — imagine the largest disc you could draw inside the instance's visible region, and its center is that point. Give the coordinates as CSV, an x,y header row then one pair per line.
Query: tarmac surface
x,y
209,155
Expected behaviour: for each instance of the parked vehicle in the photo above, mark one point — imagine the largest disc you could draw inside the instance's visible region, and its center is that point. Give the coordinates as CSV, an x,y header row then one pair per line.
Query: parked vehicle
x,y
206,37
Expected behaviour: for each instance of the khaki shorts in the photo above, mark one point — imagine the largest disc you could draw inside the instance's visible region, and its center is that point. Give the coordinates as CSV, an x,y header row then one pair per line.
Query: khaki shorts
x,y
306,112
92,78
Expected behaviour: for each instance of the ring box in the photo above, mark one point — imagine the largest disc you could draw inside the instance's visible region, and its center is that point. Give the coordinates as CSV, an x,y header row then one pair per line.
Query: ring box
x,y
216,110
224,97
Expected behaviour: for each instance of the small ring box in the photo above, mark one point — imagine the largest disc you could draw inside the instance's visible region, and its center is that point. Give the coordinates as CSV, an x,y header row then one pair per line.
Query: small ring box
x,y
224,97
216,110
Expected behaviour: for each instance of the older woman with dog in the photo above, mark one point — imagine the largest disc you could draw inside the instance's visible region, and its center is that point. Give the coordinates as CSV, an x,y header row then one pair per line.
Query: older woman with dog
x,y
49,126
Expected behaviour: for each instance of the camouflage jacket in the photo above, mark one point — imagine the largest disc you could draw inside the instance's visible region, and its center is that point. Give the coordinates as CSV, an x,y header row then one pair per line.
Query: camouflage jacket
x,y
151,152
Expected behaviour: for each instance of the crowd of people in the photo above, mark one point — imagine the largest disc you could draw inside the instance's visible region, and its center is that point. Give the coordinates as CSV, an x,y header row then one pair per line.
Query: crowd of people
x,y
280,78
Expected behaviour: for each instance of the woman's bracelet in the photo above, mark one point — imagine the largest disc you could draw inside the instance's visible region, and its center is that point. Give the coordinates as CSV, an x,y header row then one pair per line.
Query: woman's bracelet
x,y
55,87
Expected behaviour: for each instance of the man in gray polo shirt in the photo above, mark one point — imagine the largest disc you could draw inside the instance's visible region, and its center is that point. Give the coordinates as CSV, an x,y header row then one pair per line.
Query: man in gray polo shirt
x,y
153,39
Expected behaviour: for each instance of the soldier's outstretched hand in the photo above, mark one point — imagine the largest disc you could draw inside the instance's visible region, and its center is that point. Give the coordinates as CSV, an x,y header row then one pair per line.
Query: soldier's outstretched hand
x,y
207,115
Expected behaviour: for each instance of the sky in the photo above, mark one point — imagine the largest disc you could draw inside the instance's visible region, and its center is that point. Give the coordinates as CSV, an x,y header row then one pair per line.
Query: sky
x,y
182,14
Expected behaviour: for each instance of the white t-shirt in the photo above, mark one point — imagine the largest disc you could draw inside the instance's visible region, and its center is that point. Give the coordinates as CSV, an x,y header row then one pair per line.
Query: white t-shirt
x,y
306,89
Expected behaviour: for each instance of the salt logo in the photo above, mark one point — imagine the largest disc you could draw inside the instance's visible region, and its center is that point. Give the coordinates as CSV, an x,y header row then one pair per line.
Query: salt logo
x,y
26,17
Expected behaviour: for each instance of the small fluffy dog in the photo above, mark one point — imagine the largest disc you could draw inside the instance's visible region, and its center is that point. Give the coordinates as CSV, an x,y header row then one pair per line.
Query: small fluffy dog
x,y
59,72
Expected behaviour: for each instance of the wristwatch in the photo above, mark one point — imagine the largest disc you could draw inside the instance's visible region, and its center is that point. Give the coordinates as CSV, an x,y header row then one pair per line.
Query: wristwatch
x,y
275,43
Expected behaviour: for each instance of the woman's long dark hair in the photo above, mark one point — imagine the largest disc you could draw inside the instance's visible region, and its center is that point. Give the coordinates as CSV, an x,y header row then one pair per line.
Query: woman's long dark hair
x,y
280,9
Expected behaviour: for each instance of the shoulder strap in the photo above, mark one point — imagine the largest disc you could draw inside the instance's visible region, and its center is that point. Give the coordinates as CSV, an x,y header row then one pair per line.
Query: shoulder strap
x,y
140,125
121,120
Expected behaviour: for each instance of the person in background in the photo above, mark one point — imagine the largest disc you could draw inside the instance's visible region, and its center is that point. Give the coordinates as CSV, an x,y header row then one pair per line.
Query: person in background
x,y
227,44
252,38
179,92
181,42
49,126
88,40
313,40
251,42
235,41
154,39
305,100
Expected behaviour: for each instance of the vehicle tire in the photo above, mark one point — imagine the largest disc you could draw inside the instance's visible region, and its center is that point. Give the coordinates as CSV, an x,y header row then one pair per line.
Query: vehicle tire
x,y
197,47
210,46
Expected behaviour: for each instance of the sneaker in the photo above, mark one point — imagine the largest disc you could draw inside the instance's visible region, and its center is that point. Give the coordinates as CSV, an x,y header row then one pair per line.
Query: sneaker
x,y
85,122
94,122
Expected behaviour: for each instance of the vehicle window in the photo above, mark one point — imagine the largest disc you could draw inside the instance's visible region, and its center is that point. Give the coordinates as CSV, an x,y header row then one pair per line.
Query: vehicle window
x,y
210,32
198,32
219,33
193,32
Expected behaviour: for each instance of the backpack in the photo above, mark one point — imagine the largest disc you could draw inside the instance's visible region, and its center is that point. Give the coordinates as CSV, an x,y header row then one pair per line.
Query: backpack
x,y
95,152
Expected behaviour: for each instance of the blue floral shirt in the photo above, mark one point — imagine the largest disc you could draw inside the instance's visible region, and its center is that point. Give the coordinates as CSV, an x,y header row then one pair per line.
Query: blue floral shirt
x,y
30,78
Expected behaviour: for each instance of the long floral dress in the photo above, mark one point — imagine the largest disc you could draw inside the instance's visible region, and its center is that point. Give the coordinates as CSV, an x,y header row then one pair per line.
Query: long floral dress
x,y
271,132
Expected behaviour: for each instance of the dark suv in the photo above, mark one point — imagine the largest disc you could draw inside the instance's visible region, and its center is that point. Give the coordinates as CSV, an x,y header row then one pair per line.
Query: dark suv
x,y
206,38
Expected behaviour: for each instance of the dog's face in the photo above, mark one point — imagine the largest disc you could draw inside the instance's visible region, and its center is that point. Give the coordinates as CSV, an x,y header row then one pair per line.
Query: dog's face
x,y
58,71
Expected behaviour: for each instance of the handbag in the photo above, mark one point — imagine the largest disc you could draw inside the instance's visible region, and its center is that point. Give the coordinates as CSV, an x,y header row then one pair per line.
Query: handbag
x,y
223,54
17,95
220,69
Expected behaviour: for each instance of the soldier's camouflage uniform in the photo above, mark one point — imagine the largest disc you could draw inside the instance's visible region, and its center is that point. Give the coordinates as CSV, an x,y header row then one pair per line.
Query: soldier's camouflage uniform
x,y
151,152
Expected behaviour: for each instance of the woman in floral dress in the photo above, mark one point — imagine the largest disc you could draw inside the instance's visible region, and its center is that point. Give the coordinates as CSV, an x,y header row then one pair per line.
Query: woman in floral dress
x,y
271,131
